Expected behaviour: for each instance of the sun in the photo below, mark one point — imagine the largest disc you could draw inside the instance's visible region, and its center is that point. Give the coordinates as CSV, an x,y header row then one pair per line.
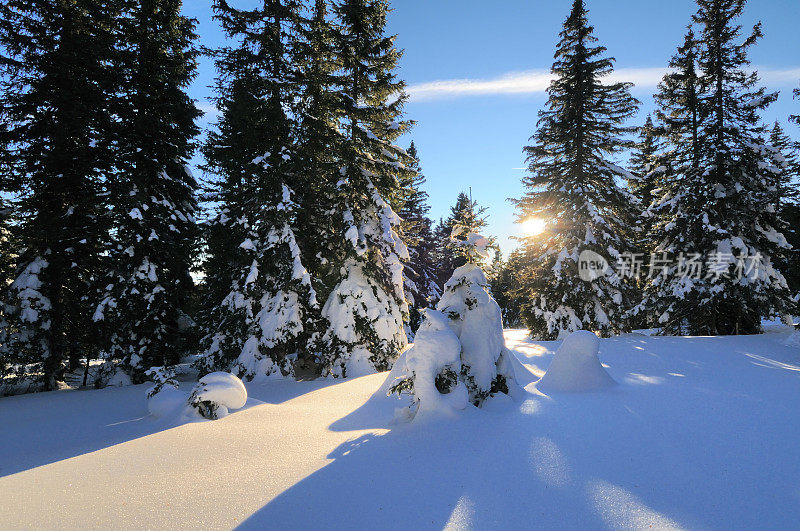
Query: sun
x,y
533,226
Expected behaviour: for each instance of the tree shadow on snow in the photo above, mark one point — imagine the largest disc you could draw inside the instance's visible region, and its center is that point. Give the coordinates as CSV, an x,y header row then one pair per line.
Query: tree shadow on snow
x,y
43,428
645,454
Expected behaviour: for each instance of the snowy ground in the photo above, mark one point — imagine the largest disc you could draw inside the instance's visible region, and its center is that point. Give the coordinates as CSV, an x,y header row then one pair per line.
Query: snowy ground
x,y
700,433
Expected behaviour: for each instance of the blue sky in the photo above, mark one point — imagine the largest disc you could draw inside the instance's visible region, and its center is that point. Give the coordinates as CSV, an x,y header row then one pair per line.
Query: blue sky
x,y
476,71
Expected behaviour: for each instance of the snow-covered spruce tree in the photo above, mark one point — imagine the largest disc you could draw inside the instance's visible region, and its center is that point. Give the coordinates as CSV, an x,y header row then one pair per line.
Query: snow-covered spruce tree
x,y
7,246
642,162
366,307
477,364
718,204
262,316
55,88
421,286
153,191
318,133
790,167
788,207
572,186
678,114
469,217
7,259
505,287
646,170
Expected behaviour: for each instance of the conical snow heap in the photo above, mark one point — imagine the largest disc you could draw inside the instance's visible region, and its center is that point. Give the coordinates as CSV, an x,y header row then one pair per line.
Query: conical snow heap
x,y
576,367
459,348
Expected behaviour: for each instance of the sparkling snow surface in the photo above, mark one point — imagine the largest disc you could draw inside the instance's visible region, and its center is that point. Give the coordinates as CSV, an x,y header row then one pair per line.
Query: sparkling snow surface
x,y
699,433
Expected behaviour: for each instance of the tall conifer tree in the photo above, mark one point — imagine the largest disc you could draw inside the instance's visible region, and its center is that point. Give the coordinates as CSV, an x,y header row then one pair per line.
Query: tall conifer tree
x,y
790,167
788,206
259,325
153,192
57,82
418,234
572,186
366,308
719,206
678,113
646,171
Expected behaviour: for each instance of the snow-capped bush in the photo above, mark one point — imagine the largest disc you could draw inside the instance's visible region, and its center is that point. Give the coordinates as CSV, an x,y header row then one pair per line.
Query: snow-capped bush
x,y
476,319
459,353
429,369
216,393
576,367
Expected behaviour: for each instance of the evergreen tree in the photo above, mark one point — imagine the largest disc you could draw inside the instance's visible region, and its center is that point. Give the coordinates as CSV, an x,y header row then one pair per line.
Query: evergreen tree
x,y
57,80
790,167
422,289
504,281
678,114
7,259
318,134
642,162
788,207
572,185
153,192
258,326
717,209
466,216
460,354
645,171
366,307
7,246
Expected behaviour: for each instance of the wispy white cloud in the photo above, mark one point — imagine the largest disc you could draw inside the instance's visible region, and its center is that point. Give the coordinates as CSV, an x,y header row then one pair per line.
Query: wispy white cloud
x,y
537,81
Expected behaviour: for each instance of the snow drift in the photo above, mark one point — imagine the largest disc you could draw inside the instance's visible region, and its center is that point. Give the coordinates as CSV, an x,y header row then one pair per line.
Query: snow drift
x,y
576,367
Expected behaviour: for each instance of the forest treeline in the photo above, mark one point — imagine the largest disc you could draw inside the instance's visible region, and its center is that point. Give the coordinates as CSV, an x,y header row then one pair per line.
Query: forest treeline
x,y
308,249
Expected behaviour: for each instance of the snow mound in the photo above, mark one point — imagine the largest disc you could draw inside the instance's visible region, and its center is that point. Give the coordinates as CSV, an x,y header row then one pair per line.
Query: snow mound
x,y
119,379
167,401
216,393
576,367
430,369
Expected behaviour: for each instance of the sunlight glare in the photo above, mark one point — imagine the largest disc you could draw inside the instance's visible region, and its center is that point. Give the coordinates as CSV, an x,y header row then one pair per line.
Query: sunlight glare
x,y
533,226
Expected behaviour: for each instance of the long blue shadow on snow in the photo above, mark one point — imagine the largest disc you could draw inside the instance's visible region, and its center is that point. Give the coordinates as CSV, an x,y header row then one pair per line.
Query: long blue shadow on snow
x,y
43,428
688,453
